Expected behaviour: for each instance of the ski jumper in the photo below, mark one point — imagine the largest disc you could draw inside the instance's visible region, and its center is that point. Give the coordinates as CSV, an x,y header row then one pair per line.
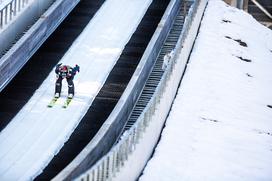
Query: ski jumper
x,y
65,71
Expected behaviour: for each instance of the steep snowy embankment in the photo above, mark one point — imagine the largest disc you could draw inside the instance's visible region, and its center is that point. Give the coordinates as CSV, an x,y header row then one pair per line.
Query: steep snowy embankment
x,y
220,125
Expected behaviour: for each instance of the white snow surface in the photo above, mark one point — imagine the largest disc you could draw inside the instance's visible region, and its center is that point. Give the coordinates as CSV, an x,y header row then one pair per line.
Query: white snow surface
x,y
37,133
220,125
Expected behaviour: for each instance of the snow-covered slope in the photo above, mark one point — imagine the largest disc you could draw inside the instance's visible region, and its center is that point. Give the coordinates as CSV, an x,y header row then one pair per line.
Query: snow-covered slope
x,y
220,125
37,133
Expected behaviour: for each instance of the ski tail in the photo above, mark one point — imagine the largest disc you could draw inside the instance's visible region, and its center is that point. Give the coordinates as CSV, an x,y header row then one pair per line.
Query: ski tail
x,y
52,102
67,102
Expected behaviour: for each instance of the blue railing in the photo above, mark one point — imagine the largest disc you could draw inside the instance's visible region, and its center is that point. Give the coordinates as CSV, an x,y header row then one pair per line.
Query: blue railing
x,y
10,10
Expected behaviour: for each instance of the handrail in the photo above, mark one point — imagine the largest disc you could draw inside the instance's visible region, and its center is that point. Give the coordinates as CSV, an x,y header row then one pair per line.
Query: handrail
x,y
108,167
262,8
10,10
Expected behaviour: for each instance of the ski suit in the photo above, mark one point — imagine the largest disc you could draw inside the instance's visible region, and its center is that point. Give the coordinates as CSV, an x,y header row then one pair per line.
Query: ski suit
x,y
65,71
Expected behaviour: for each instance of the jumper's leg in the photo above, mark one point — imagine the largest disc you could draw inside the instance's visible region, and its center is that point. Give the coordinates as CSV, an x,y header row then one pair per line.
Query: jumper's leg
x,y
71,87
58,87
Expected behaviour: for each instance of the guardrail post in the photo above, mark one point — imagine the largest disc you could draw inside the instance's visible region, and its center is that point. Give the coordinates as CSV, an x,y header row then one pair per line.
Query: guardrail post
x,y
184,4
117,166
87,178
141,128
130,146
133,139
1,18
145,118
123,152
99,173
19,5
110,167
106,168
137,135
122,155
10,11
127,147
6,15
15,7
114,162
102,171
96,174
92,175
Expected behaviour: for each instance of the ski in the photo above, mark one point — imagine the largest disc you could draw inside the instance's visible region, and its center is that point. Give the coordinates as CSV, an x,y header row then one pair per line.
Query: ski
x,y
67,102
52,102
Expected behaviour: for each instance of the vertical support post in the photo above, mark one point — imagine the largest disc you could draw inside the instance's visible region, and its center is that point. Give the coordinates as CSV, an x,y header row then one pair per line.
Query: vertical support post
x,y
240,4
184,4
245,6
6,15
96,174
19,5
102,177
15,7
1,18
93,176
110,166
10,11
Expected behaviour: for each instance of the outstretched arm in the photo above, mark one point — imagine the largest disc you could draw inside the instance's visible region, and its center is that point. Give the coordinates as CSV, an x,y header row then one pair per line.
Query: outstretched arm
x,y
57,68
76,69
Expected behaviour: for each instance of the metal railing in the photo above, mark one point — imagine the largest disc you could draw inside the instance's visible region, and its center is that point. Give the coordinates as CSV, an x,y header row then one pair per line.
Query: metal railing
x,y
10,10
108,167
265,11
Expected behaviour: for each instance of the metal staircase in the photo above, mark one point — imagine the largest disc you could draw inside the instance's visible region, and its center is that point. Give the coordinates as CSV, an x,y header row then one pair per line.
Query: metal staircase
x,y
157,71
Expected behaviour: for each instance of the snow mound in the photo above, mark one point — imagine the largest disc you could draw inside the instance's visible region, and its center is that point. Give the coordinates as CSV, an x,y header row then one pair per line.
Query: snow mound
x,y
220,126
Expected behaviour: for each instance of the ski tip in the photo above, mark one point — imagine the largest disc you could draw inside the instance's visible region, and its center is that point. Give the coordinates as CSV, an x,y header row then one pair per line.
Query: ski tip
x,y
50,106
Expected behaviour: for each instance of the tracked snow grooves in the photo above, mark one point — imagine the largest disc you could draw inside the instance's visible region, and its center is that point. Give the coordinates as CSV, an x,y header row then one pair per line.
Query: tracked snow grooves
x,y
110,92
157,71
22,87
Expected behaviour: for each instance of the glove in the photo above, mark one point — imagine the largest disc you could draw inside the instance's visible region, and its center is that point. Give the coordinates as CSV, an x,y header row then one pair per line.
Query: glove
x,y
57,66
76,68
